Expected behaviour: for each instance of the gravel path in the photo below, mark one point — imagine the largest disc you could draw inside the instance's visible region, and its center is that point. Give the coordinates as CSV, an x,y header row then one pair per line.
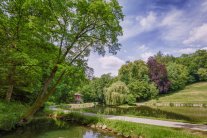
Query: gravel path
x,y
147,121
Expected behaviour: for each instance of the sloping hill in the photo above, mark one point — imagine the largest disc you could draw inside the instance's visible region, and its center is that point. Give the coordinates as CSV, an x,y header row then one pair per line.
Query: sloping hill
x,y
195,93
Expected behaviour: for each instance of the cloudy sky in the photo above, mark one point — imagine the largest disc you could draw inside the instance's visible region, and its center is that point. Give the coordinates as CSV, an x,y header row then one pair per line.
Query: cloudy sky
x,y
171,26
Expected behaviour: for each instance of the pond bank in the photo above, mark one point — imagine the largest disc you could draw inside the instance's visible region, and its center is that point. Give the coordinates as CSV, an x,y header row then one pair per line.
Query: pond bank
x,y
54,128
149,121
144,120
129,129
75,106
10,114
177,114
176,104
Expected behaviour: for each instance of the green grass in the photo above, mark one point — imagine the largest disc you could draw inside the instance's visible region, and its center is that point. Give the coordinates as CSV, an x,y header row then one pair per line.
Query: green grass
x,y
195,114
134,129
195,93
10,114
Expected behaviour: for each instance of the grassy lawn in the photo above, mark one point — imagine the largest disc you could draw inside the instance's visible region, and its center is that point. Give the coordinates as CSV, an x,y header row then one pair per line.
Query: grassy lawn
x,y
195,114
195,93
10,114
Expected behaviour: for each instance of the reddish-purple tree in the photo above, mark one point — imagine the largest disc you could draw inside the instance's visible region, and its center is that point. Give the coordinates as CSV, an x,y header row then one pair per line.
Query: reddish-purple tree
x,y
158,74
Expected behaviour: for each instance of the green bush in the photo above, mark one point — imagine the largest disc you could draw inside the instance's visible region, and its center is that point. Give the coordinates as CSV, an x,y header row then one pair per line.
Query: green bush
x,y
131,99
143,90
202,73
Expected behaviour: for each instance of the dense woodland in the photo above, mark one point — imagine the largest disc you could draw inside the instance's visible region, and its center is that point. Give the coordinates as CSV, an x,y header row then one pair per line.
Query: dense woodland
x,y
44,45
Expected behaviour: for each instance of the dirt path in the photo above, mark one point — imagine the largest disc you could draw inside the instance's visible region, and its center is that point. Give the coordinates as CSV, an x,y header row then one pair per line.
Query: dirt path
x,y
146,121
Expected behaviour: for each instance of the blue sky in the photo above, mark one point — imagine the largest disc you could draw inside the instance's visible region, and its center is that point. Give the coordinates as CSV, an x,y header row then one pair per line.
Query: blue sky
x,y
171,26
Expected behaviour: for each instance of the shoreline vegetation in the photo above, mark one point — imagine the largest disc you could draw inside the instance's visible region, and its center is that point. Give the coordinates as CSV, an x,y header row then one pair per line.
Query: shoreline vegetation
x,y
133,130
10,114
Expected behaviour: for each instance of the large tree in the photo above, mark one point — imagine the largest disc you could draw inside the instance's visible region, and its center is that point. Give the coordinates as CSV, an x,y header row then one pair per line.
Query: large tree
x,y
76,27
158,75
178,76
116,94
19,42
133,71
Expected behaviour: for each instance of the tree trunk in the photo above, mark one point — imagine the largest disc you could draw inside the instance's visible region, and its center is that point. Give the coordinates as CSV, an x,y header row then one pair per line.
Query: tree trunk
x,y
42,97
9,93
11,84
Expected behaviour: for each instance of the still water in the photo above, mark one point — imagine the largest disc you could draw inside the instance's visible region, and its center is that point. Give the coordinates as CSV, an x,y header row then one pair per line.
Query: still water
x,y
49,128
184,114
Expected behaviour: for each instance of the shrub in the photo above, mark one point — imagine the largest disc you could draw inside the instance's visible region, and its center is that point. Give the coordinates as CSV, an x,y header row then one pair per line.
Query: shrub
x,y
143,90
131,99
202,73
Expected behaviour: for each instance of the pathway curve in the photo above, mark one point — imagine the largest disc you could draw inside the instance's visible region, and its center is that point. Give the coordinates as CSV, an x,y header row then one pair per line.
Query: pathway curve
x,y
173,124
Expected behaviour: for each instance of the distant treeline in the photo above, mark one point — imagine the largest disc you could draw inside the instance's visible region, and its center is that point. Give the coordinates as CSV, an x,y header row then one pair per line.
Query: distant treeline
x,y
139,81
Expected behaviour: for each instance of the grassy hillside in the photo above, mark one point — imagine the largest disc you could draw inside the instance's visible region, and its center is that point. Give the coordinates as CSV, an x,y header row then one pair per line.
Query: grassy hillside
x,y
195,93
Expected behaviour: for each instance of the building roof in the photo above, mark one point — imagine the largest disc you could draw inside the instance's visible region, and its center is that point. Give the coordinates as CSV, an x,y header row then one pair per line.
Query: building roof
x,y
78,94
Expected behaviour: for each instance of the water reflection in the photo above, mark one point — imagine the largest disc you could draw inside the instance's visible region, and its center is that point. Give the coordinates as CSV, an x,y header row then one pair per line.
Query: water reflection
x,y
175,113
48,128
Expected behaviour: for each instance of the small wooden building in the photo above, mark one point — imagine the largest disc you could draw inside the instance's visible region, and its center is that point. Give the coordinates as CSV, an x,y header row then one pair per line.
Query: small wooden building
x,y
78,98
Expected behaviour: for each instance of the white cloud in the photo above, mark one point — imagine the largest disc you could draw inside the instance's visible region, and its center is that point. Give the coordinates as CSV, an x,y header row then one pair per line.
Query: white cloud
x,y
130,58
143,47
103,65
146,55
186,50
198,34
135,25
110,62
204,6
174,26
149,21
204,48
171,18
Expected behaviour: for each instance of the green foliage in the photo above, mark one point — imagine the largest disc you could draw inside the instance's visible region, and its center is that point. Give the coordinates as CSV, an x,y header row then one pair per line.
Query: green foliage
x,y
194,62
44,44
124,72
81,119
69,85
131,71
130,99
202,72
10,114
94,90
116,94
143,90
178,76
164,59
135,74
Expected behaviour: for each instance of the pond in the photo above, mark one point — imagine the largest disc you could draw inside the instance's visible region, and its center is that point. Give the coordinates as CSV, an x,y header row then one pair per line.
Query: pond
x,y
49,128
185,114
